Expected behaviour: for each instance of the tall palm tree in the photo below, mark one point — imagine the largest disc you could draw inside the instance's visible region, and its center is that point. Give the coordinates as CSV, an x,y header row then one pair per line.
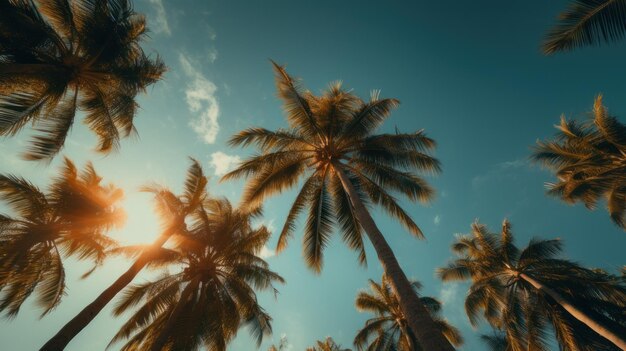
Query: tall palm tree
x,y
589,160
523,291
173,210
388,330
69,220
327,344
57,56
212,293
345,168
587,22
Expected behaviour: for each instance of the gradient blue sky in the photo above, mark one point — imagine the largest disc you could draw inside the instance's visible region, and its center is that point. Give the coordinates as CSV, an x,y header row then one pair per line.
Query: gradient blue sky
x,y
469,73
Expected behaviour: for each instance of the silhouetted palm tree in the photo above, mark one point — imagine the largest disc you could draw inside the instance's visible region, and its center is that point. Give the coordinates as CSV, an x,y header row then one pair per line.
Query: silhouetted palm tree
x,y
524,291
587,22
331,145
70,220
58,56
173,210
589,160
327,345
211,295
389,329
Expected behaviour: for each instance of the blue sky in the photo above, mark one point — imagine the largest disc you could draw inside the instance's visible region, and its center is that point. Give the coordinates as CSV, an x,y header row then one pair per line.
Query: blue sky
x,y
469,73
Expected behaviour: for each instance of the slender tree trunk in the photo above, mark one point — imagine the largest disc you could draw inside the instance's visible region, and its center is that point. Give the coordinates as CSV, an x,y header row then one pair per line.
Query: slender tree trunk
x,y
419,320
577,313
159,343
59,341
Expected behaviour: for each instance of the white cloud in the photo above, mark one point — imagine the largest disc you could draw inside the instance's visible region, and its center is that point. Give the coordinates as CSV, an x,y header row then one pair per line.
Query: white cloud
x,y
161,25
212,55
437,219
200,97
223,162
449,293
266,252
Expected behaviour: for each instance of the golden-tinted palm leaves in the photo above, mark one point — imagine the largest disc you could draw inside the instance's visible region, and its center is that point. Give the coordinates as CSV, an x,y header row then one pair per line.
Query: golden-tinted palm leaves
x,y
389,329
587,22
213,289
71,219
589,161
502,294
57,56
326,131
327,344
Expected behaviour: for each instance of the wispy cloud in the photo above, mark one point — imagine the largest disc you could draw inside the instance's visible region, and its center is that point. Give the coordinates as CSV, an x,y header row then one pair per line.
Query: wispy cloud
x,y
437,219
503,169
200,96
222,163
265,251
160,25
449,293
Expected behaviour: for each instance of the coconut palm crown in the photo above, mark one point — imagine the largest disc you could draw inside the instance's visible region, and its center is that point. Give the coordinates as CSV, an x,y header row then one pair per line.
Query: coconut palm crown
x,y
211,294
70,220
335,130
587,22
589,161
389,329
531,293
58,56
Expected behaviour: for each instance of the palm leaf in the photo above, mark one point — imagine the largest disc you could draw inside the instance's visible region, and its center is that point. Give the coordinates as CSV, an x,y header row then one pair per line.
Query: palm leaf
x,y
587,22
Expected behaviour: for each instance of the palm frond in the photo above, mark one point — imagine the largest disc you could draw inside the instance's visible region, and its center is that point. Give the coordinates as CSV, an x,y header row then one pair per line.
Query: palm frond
x,y
587,22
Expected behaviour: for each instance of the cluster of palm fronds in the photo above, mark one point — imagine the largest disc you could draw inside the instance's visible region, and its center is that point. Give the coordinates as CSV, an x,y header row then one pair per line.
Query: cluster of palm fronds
x,y
589,160
531,293
60,56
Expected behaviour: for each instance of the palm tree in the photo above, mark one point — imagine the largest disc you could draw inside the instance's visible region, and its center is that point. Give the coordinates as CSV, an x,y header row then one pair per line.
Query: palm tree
x,y
58,56
331,145
326,345
211,295
524,291
388,330
587,22
589,160
173,210
70,220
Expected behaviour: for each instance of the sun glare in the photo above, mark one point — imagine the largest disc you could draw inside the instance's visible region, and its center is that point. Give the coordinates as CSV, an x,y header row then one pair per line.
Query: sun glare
x,y
142,225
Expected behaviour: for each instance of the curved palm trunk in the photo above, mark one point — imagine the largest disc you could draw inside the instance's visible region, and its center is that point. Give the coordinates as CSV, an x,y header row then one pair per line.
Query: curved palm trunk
x,y
577,313
159,343
59,341
419,320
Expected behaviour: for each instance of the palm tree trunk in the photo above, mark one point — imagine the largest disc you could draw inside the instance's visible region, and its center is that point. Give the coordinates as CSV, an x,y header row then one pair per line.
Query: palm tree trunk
x,y
419,320
159,343
59,341
577,313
